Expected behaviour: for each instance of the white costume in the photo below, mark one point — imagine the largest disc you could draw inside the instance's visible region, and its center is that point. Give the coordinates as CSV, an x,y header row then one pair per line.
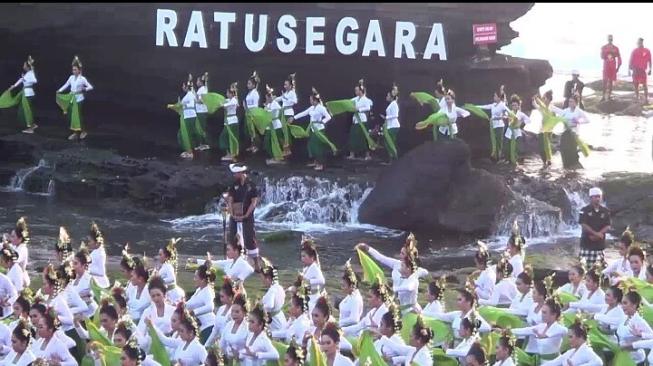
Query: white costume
x,y
516,261
521,304
410,355
523,119
231,343
137,305
201,303
190,354
502,294
262,348
313,275
406,289
433,309
98,268
275,109
54,348
373,316
485,282
625,335
188,105
574,117
82,286
318,114
8,293
28,80
578,291
174,293
590,302
237,269
294,328
252,99
583,355
543,346
273,301
452,114
222,317
23,255
200,107
230,106
619,267
363,105
351,309
76,84
455,318
462,349
288,99
25,359
394,265
498,112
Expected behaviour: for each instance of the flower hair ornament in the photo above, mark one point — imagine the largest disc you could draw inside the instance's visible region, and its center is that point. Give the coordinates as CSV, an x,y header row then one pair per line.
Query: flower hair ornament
x,y
516,238
63,243
441,284
76,62
297,351
30,62
96,234
52,277
548,285
171,250
393,309
127,258
350,275
216,354
504,265
269,91
264,316
269,270
8,253
255,78
22,229
482,252
474,321
411,245
308,245
423,329
382,288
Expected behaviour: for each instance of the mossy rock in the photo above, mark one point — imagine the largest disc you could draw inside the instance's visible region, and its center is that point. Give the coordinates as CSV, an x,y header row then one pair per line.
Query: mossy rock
x,y
283,235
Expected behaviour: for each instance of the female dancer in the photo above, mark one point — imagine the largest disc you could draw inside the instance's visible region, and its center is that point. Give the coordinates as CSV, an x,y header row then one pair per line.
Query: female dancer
x,y
545,108
132,355
634,326
235,266
21,353
391,125
63,247
419,351
515,250
487,274
138,299
57,302
200,304
542,290
390,343
9,260
170,340
505,348
258,349
98,265
36,312
223,315
299,322
612,314
318,142
569,144
49,347
295,355
18,240
270,142
593,300
26,108
499,113
621,266
168,271
82,282
234,334
312,273
523,301
78,86
187,135
378,299
469,335
435,295
466,303
545,338
251,101
190,352
505,290
351,307
476,356
580,352
228,140
517,120
576,285
408,285
288,100
320,316
159,313
21,308
357,139
452,112
202,111
274,295
330,343
637,258
66,275
108,321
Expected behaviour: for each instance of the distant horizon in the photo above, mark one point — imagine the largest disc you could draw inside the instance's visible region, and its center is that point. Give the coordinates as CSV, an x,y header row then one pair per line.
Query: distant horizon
x,y
570,35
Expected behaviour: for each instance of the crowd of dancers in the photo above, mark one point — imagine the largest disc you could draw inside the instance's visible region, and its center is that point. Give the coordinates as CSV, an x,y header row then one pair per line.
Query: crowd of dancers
x,y
273,124
502,314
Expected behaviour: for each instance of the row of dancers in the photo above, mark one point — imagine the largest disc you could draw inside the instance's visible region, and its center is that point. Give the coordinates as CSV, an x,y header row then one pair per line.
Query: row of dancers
x,y
505,119
150,317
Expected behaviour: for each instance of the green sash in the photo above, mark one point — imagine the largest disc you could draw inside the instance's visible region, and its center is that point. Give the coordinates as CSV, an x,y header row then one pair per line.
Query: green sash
x,y
68,104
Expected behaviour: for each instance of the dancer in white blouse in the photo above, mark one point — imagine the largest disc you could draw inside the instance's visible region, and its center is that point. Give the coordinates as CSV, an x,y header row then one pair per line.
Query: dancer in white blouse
x,y
468,334
258,349
202,111
187,135
223,314
573,116
523,301
158,314
108,321
517,121
378,299
133,355
72,296
58,300
638,264
172,340
252,100
487,274
318,142
330,339
299,321
28,79
288,100
476,356
78,85
138,298
466,302
499,114
391,125
21,354
408,285
18,240
576,285
612,314
419,351
619,267
9,260
234,334
201,303
82,283
236,265
274,297
321,316
515,250
312,273
545,338
505,348
580,352
98,266
270,142
593,300
449,108
505,290
435,296
357,141
228,141
49,347
168,271
190,352
21,308
390,343
351,307
634,327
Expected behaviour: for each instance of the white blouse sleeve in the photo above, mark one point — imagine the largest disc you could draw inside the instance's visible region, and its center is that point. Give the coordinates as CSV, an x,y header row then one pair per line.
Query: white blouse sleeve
x,y
20,81
88,85
269,353
462,112
386,261
326,117
65,85
201,302
302,114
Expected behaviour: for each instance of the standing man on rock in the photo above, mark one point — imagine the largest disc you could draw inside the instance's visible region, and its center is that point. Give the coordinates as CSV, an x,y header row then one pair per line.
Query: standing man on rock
x,y
639,59
242,199
574,87
595,220
611,64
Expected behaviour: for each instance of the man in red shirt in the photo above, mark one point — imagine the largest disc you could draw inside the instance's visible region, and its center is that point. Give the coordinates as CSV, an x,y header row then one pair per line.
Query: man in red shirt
x,y
611,64
639,60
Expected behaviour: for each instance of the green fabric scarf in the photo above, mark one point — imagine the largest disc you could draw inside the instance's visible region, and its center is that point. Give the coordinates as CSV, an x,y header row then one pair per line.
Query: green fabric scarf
x,y
336,107
370,269
68,104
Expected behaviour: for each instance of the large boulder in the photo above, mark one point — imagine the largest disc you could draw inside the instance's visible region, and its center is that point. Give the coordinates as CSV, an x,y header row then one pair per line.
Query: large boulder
x,y
434,189
630,199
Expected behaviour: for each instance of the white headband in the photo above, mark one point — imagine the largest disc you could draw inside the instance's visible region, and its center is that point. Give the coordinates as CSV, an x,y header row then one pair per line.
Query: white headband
x,y
595,192
236,168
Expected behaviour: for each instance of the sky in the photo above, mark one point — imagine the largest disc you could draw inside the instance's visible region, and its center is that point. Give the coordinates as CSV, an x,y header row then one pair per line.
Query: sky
x,y
570,35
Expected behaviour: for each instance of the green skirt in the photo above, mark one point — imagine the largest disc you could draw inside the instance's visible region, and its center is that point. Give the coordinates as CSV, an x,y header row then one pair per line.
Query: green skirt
x,y
357,141
317,149
393,132
498,138
202,128
186,136
544,149
267,140
73,127
21,113
569,149
223,140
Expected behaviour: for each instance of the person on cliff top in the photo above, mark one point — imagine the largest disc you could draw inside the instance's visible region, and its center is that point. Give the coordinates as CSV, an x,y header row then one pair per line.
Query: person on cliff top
x,y
78,85
499,113
229,137
453,112
611,64
202,111
640,58
252,100
595,221
273,137
574,88
358,142
517,121
288,100
391,125
318,142
26,102
243,196
569,143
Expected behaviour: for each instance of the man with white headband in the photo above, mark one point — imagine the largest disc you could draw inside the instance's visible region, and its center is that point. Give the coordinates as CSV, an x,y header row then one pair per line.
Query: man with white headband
x,y
595,220
574,87
242,199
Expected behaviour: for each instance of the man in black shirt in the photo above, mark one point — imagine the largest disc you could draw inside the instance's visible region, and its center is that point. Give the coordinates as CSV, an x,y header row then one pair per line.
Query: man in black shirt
x,y
574,87
242,199
595,220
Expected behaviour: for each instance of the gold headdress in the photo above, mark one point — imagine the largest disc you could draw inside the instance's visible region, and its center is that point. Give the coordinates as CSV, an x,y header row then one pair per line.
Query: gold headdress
x,y
393,309
628,235
386,296
30,62
205,77
441,285
528,269
22,229
189,82
298,350
127,258
516,238
255,78
548,285
269,91
474,321
96,234
10,254
350,275
510,338
291,79
411,245
482,253
504,265
233,88
63,243
269,270
76,62
470,287
394,92
316,95
583,263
